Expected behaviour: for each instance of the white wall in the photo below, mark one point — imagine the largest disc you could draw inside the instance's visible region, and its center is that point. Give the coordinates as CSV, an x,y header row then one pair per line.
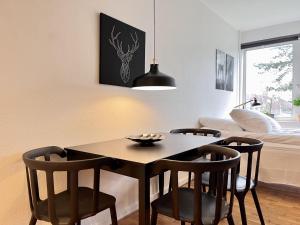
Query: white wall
x,y
277,31
271,32
49,89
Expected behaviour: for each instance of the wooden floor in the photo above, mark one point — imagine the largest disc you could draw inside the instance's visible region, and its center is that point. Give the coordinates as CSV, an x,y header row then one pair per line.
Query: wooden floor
x,y
279,208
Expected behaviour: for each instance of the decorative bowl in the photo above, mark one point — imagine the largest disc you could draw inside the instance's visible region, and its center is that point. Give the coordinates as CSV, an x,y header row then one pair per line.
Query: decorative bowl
x,y
146,139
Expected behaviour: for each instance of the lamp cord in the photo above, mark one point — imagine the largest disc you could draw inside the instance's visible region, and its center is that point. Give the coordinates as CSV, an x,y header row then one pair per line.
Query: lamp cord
x,y
154,28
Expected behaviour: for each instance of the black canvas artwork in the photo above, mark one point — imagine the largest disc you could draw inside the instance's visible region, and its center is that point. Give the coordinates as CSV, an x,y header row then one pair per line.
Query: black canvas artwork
x,y
224,71
122,52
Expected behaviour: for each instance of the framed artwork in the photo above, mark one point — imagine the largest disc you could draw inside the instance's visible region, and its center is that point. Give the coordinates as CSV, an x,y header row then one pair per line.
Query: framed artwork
x,y
122,52
229,73
224,71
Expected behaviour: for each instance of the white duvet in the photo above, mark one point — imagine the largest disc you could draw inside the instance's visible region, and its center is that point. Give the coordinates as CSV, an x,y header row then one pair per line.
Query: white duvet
x,y
284,136
280,156
230,128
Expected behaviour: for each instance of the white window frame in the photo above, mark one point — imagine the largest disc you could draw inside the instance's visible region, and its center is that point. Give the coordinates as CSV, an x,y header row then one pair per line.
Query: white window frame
x,y
243,67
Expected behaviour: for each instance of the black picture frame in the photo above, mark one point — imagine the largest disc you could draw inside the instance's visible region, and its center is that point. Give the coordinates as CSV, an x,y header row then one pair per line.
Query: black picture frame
x,y
122,52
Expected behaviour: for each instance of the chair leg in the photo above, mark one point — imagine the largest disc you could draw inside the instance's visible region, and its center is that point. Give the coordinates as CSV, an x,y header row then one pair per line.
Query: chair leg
x,y
189,179
230,220
154,217
182,223
79,223
113,215
241,200
255,198
170,184
32,220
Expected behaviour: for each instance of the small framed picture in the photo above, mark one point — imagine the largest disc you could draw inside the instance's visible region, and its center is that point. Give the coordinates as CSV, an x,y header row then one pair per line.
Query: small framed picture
x,y
224,71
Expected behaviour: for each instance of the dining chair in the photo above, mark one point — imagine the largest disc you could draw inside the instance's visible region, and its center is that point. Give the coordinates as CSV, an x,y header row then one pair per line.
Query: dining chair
x,y
68,207
193,205
196,131
247,147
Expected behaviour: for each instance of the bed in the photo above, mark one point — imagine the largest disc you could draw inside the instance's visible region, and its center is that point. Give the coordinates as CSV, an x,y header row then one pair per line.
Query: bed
x,y
280,157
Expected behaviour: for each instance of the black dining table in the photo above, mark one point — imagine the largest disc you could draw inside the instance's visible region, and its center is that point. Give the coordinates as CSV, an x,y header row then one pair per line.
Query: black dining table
x,y
136,161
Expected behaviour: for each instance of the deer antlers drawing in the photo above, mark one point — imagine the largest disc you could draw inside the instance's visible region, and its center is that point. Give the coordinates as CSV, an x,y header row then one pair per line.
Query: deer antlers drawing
x,y
124,57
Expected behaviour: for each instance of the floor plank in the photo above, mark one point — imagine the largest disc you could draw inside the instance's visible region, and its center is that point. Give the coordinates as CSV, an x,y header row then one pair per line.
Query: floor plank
x,y
279,208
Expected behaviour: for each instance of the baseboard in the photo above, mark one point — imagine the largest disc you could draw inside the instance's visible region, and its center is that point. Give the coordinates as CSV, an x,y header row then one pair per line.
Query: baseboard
x,y
280,187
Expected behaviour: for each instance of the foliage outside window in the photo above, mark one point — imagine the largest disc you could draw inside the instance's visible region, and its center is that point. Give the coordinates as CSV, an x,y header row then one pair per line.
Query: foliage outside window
x,y
296,102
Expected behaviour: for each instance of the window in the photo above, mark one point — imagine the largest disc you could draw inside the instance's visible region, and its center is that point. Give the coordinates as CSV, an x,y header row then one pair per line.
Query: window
x,y
268,77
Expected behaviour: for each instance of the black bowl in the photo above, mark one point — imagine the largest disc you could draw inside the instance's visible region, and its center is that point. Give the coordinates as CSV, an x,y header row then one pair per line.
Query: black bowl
x,y
142,140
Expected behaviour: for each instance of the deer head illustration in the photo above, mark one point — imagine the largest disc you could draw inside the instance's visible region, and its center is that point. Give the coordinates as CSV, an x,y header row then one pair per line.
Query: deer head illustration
x,y
124,57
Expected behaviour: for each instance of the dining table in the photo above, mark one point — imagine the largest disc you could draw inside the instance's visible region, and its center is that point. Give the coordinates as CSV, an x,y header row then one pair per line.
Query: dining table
x,y
137,161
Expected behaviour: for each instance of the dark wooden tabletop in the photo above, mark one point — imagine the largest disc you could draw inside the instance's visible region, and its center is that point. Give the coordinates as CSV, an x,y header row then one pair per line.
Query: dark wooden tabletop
x,y
125,149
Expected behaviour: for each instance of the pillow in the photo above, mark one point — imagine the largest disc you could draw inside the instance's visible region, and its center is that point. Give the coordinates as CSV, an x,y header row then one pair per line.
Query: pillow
x,y
276,127
219,124
251,120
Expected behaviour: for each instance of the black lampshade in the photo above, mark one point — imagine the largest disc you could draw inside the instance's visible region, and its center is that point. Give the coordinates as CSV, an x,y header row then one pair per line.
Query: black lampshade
x,y
154,80
255,103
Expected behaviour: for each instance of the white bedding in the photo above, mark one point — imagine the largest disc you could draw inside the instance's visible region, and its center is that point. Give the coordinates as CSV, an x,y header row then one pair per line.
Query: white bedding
x,y
289,131
284,136
231,128
280,156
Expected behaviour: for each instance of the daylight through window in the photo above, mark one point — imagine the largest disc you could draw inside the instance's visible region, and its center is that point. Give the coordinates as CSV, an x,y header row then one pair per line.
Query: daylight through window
x,y
269,76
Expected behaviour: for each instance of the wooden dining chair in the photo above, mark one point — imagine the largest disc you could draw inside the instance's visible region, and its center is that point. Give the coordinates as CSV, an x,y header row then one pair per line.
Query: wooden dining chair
x,y
193,205
68,207
196,131
247,147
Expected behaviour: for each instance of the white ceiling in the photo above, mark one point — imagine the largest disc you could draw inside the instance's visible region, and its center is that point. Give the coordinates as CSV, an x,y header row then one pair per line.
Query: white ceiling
x,y
252,14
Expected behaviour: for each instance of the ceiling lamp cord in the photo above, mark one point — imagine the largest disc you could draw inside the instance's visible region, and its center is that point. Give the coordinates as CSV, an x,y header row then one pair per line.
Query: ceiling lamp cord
x,y
154,32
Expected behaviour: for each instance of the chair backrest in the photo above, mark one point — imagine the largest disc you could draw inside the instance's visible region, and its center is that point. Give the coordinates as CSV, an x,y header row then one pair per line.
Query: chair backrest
x,y
40,160
197,131
222,160
246,146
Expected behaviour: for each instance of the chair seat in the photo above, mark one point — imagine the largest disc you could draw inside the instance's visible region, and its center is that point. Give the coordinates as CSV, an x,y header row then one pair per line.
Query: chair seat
x,y
85,208
240,182
163,205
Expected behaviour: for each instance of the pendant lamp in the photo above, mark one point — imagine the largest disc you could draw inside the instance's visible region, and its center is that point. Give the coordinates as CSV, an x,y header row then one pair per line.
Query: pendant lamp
x,y
154,79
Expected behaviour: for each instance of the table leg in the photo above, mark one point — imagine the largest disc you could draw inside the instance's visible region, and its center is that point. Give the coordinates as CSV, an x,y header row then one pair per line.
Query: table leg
x,y
144,199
